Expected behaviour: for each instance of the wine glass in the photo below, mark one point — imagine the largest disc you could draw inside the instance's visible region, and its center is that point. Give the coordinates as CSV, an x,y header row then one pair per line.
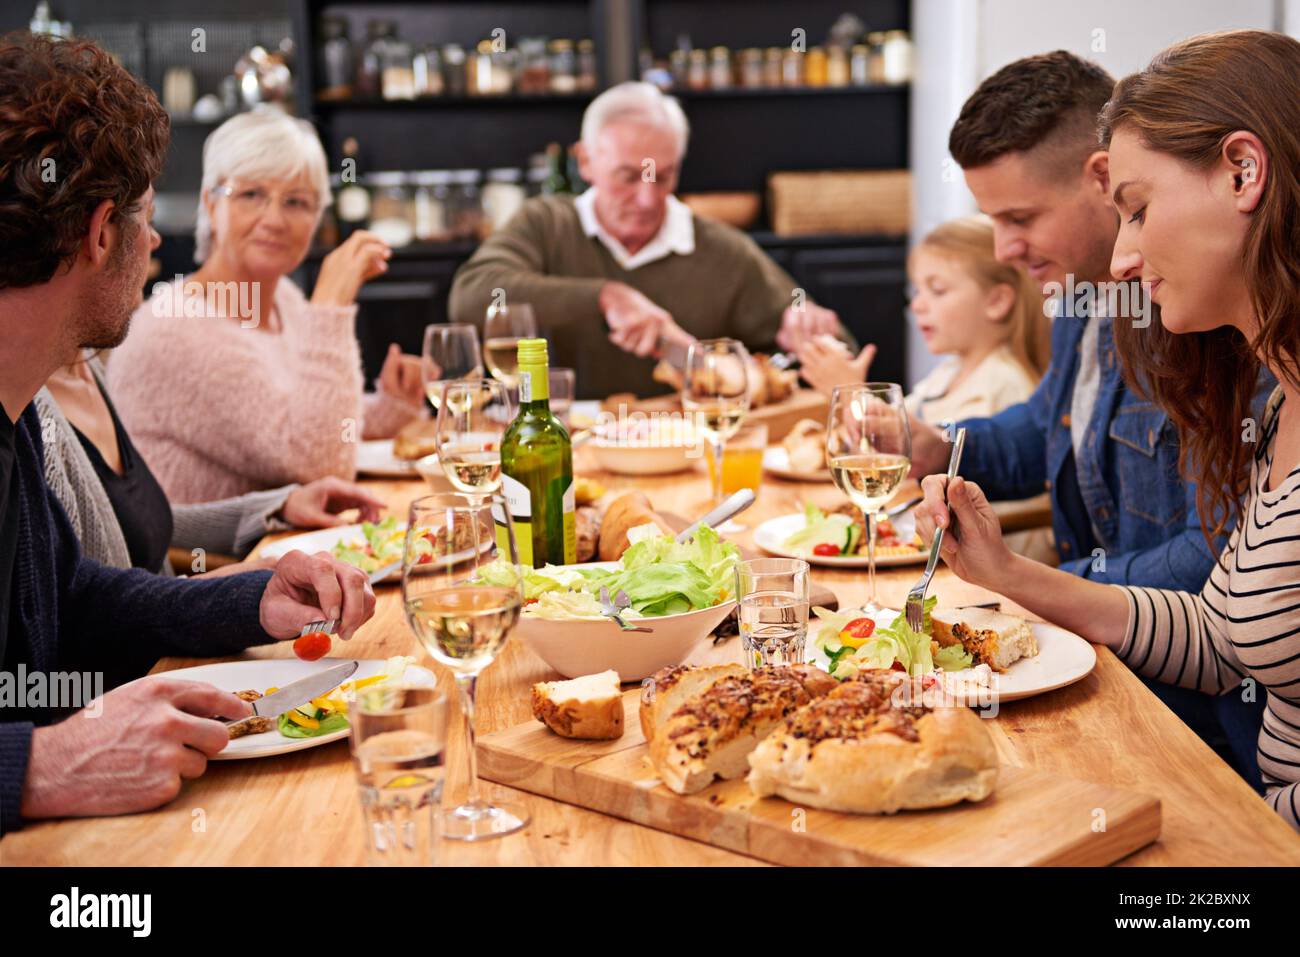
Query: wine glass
x,y
869,448
451,352
715,392
472,419
502,330
463,613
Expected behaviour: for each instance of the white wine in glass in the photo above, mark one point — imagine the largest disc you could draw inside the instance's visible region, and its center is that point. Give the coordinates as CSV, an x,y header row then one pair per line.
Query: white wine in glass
x,y
463,620
715,394
503,327
471,423
869,448
451,352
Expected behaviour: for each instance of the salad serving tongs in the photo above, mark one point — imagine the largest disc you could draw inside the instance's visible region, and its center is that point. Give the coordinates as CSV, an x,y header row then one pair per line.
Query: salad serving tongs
x,y
915,608
614,609
730,508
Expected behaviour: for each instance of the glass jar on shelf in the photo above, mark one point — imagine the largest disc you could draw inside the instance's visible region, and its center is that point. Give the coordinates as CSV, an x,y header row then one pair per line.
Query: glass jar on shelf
x,y
392,210
466,207
837,66
860,65
697,70
502,196
398,80
335,60
352,197
792,68
431,205
478,73
772,67
534,66
535,177
679,63
370,67
454,69
505,67
876,44
814,67
588,70
897,57
428,79
719,68
751,68
564,67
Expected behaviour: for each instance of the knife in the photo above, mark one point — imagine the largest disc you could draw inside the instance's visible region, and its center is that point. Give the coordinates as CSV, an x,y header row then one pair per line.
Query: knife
x,y
297,692
380,574
728,509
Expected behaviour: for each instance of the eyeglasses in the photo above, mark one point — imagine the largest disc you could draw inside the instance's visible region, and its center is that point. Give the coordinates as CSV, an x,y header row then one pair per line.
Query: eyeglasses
x,y
254,200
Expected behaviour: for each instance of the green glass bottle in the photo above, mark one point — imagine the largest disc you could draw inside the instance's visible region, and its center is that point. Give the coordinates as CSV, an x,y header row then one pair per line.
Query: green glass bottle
x,y
537,468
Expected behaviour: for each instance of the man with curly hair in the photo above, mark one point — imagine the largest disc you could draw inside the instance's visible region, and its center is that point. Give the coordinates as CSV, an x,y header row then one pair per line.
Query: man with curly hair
x,y
81,142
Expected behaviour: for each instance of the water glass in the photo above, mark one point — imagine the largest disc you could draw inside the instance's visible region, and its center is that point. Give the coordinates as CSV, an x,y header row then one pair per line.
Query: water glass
x,y
773,609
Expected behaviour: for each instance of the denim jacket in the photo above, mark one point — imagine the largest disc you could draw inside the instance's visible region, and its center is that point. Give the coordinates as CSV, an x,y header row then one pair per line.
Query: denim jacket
x,y
1121,512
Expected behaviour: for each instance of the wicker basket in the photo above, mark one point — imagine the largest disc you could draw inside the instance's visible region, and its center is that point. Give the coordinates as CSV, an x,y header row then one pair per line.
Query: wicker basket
x,y
840,201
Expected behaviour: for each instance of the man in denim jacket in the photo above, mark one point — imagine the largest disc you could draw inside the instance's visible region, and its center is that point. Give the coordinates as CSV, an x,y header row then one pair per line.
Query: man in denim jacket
x,y
1026,141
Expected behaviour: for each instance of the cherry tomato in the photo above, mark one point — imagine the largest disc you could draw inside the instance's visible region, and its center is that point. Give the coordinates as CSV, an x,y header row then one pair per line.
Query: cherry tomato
x,y
856,632
897,666
827,549
312,646
885,529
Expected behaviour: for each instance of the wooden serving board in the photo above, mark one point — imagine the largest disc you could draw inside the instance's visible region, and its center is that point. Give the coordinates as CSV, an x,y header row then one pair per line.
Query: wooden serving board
x,y
1032,818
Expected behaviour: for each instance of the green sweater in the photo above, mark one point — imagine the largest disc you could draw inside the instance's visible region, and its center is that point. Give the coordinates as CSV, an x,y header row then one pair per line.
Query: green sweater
x,y
727,287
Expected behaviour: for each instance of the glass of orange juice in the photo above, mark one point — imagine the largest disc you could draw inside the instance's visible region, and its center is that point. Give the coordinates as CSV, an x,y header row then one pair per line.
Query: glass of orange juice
x,y
742,465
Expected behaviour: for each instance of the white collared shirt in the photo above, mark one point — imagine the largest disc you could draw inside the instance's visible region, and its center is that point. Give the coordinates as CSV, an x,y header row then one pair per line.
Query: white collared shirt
x,y
676,234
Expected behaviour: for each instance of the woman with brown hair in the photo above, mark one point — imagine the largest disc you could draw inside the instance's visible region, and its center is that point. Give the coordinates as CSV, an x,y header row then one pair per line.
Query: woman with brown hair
x,y
1204,153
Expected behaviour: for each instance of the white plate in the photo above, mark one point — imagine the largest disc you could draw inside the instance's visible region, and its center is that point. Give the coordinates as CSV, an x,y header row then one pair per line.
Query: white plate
x,y
324,540
263,673
1063,658
771,535
776,461
375,458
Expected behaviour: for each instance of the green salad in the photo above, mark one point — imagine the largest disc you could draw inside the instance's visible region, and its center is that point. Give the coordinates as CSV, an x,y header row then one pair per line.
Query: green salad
x,y
380,545
659,575
853,643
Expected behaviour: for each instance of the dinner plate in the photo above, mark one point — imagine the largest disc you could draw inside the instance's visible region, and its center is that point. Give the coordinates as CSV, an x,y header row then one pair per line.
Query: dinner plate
x,y
1063,658
263,673
324,540
776,461
375,458
771,535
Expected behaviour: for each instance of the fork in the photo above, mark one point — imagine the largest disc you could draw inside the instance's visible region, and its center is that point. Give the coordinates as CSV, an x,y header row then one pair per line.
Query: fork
x,y
915,609
325,626
615,608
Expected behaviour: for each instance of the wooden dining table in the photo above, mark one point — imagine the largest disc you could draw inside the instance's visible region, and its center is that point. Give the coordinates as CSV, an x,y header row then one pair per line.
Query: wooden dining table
x,y
302,808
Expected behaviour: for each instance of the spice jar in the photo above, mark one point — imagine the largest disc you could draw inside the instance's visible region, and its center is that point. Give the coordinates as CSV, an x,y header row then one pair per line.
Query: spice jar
x,y
392,212
814,67
588,71
751,68
860,65
335,60
398,78
897,57
837,67
679,63
428,80
564,67
876,43
697,70
772,67
432,198
466,205
535,67
370,68
719,68
502,196
454,69
792,68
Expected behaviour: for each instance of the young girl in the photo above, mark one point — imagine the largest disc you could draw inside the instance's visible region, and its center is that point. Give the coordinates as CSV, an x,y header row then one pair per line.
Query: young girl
x,y
1203,154
987,317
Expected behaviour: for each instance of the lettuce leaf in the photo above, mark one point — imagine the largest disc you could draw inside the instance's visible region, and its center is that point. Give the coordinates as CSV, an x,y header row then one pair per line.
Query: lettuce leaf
x,y
953,658
328,724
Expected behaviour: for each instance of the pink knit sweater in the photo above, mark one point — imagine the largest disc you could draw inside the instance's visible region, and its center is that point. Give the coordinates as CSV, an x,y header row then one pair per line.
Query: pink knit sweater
x,y
218,409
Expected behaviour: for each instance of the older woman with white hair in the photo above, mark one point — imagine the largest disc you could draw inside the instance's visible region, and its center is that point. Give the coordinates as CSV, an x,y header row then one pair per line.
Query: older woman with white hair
x,y
231,379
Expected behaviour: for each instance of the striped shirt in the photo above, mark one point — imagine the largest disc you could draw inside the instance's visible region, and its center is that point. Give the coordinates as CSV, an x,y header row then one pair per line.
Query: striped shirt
x,y
1241,634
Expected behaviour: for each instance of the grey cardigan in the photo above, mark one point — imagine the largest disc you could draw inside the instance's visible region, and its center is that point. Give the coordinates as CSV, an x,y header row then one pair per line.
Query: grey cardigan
x,y
230,526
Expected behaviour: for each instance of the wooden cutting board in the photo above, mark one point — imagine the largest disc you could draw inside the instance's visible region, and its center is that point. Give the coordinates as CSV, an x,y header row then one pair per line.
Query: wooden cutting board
x,y
1032,818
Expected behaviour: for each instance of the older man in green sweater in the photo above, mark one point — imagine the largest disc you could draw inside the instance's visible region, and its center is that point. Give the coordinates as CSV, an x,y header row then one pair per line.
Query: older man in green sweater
x,y
620,272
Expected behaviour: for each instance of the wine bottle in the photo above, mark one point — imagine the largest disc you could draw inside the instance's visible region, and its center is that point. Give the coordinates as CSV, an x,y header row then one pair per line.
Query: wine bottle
x,y
537,468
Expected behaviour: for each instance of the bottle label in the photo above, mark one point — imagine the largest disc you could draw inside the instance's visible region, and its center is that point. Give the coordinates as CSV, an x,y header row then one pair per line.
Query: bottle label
x,y
526,387
520,504
570,525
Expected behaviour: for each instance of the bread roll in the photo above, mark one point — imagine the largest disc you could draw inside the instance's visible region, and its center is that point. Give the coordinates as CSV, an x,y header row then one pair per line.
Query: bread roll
x,y
587,707
586,525
625,513
670,688
852,750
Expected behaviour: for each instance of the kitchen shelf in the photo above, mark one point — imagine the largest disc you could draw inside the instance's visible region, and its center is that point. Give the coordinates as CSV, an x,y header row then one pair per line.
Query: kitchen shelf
x,y
452,102
740,92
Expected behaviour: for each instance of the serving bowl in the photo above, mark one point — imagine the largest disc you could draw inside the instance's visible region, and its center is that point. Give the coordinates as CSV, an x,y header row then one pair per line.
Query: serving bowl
x,y
647,447
582,646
